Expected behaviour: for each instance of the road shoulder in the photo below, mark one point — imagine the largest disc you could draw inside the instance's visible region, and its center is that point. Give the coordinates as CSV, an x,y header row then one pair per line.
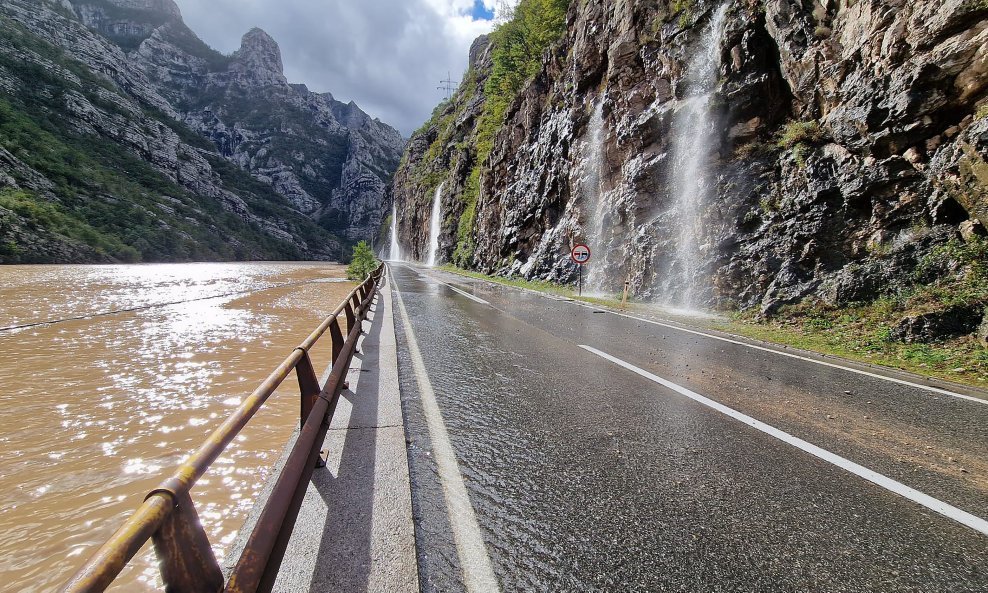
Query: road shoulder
x,y
354,530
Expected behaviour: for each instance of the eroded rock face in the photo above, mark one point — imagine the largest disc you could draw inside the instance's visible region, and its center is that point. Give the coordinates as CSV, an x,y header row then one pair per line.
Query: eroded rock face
x,y
938,325
890,162
168,99
329,159
258,61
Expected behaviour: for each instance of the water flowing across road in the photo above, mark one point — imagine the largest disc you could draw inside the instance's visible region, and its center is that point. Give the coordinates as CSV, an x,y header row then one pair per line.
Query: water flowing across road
x,y
110,375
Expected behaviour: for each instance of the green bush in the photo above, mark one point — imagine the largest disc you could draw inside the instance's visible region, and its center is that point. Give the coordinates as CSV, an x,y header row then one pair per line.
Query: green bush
x,y
799,133
363,262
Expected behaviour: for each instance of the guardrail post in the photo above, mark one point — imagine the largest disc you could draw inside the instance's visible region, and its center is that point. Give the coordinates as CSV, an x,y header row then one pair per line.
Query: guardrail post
x,y
186,560
308,385
351,318
336,334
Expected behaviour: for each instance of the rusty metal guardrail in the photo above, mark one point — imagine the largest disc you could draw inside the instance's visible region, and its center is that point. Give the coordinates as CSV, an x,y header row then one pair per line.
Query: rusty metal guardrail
x,y
168,516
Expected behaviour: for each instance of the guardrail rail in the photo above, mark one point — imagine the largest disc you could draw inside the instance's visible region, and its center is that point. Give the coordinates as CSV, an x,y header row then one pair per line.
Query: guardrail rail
x,y
168,516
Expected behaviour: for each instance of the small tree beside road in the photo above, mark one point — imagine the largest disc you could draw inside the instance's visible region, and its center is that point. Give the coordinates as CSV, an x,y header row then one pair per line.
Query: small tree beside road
x,y
363,262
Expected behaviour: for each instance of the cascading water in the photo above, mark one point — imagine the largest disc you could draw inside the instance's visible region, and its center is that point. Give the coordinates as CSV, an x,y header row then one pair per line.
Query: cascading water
x,y
694,131
394,253
593,188
435,226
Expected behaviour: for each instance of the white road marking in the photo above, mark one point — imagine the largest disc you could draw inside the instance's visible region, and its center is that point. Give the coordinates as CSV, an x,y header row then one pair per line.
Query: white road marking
x,y
453,288
466,294
929,388
478,574
976,523
805,358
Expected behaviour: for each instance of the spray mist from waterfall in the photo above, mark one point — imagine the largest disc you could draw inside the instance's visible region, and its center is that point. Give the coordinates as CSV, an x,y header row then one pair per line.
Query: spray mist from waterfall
x,y
435,226
394,252
694,134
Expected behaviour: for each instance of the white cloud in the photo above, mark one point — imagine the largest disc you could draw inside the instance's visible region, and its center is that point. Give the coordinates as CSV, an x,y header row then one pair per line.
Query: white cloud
x,y
386,55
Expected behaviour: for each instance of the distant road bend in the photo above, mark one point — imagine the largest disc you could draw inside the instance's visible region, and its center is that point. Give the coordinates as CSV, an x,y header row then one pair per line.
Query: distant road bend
x,y
555,447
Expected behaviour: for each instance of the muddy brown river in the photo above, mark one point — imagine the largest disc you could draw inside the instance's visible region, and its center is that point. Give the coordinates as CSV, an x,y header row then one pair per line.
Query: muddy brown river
x,y
111,375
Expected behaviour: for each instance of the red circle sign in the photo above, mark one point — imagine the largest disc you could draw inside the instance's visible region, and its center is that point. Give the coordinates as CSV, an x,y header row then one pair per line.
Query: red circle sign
x,y
580,254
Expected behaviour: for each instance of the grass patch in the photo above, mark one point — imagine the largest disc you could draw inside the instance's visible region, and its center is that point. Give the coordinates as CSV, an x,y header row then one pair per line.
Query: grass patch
x,y
799,138
864,337
800,132
952,275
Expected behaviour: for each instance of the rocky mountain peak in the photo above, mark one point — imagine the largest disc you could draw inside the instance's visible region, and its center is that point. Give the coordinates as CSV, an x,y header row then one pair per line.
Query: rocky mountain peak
x,y
260,58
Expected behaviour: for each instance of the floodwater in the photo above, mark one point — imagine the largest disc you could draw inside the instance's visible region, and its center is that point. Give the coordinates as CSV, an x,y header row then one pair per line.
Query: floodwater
x,y
111,375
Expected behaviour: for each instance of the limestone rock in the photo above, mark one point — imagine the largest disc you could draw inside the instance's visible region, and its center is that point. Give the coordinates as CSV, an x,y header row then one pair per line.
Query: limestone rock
x,y
896,166
166,98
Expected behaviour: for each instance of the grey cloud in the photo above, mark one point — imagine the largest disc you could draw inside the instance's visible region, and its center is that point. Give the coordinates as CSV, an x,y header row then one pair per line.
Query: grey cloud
x,y
386,55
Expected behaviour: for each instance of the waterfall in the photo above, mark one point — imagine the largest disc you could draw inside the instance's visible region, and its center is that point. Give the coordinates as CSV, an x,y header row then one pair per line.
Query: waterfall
x,y
694,132
394,253
594,187
591,172
435,226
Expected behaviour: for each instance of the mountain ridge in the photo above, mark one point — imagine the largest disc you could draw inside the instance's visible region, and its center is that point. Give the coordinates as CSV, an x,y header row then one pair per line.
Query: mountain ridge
x,y
131,77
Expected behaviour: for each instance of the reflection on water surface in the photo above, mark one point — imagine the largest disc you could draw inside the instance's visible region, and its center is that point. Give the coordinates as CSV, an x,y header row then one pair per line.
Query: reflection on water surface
x,y
137,366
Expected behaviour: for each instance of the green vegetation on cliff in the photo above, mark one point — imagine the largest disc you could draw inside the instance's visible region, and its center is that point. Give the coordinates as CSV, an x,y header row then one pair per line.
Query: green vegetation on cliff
x,y
465,126
95,191
949,290
517,47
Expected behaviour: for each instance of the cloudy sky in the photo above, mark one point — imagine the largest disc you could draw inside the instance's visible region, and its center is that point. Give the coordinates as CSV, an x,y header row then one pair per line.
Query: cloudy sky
x,y
387,55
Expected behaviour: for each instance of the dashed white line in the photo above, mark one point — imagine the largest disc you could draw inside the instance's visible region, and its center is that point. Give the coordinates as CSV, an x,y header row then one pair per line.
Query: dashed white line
x,y
963,517
453,288
466,294
478,574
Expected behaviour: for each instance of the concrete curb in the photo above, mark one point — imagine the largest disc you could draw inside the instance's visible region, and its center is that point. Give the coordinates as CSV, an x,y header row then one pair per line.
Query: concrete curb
x,y
354,530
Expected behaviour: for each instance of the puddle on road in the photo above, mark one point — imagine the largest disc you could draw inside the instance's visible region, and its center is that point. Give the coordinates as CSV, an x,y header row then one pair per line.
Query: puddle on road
x,y
97,411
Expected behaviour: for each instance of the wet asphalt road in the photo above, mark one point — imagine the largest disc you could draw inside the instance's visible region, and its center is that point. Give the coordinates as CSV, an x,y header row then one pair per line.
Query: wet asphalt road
x,y
585,476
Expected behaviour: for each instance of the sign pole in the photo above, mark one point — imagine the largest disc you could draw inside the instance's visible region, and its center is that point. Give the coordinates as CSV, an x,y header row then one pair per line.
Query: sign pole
x,y
580,256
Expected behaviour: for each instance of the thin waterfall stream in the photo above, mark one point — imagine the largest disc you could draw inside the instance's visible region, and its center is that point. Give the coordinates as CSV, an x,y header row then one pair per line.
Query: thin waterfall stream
x,y
394,252
694,132
593,190
435,226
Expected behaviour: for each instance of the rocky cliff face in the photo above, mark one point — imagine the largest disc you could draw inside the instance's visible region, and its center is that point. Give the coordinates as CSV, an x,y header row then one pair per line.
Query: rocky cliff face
x,y
444,152
329,159
849,143
126,137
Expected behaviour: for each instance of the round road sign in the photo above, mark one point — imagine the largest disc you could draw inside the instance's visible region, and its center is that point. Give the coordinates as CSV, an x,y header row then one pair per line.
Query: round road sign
x,y
580,254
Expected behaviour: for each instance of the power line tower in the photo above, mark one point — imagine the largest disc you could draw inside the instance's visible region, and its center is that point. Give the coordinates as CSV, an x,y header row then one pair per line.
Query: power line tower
x,y
448,85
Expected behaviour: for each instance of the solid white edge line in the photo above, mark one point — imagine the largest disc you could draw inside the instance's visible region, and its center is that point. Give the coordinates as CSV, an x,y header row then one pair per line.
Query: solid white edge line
x,y
478,573
963,517
755,346
796,356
